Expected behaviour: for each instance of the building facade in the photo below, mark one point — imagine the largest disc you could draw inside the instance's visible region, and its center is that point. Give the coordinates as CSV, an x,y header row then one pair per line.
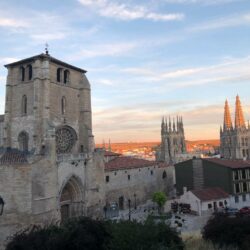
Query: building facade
x,y
173,145
234,138
49,170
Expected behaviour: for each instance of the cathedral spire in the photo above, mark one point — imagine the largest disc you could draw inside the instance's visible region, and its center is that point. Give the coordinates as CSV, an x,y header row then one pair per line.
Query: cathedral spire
x,y
166,125
173,124
163,125
239,117
227,117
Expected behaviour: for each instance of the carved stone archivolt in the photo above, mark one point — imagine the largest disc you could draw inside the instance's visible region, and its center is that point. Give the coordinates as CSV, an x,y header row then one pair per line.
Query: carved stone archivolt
x,y
65,139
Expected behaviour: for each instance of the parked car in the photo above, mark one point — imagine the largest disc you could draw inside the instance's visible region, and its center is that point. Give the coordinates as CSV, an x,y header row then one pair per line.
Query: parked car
x,y
244,211
231,211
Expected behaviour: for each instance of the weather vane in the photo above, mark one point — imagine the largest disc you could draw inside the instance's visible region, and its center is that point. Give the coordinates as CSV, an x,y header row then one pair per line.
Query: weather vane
x,y
46,48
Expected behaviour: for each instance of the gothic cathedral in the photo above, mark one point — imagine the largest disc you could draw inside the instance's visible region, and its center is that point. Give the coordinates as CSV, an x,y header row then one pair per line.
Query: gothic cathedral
x,y
234,140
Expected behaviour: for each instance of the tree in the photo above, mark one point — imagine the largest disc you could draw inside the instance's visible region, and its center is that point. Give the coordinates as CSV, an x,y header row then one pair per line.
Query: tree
x,y
160,198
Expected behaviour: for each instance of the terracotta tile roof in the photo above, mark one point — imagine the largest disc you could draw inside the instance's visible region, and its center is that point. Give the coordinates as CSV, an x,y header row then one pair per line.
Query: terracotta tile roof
x,y
230,163
125,162
163,164
210,194
13,157
109,153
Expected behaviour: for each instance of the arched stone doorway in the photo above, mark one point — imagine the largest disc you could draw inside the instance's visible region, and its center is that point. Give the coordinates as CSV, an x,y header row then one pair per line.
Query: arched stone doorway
x,y
71,199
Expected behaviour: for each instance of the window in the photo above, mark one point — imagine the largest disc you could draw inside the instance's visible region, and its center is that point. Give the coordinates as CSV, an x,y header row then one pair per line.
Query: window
x,y
128,176
29,67
243,174
164,175
225,202
236,175
244,187
151,172
115,173
244,197
23,140
58,74
82,149
220,204
243,153
107,178
24,105
237,188
66,76
63,105
22,73
236,198
209,206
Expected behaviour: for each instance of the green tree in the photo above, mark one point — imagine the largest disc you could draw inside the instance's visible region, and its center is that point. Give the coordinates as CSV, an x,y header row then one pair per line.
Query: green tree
x,y
160,198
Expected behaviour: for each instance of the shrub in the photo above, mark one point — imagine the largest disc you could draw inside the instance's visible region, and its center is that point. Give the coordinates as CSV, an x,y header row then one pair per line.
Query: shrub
x,y
228,231
81,233
131,235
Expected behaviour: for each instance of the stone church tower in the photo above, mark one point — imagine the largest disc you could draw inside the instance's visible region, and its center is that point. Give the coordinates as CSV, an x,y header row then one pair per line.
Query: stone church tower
x,y
234,140
172,140
49,170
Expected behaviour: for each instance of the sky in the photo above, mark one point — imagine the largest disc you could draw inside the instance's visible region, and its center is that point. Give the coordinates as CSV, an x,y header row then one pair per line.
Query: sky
x,y
145,58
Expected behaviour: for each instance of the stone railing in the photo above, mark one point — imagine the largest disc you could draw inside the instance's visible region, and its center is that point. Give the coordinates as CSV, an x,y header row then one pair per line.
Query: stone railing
x,y
72,157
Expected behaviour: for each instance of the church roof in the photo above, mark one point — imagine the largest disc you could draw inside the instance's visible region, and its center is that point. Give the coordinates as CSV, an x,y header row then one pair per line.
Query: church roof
x,y
209,194
235,164
43,56
13,156
125,162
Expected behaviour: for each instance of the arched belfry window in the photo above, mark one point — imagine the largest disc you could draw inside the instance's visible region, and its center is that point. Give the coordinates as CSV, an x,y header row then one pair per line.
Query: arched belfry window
x,y
30,72
22,69
24,105
164,175
58,74
66,76
63,105
23,140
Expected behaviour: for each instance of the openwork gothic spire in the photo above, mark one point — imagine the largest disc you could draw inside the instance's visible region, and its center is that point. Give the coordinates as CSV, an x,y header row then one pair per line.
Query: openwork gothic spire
x,y
227,117
239,117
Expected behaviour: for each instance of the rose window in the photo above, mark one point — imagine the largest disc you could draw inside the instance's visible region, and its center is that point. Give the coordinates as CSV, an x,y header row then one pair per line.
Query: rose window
x,y
65,139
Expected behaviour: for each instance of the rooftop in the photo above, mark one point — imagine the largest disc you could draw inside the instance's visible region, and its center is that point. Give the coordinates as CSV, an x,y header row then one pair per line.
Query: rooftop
x,y
45,56
210,194
124,162
235,164
13,157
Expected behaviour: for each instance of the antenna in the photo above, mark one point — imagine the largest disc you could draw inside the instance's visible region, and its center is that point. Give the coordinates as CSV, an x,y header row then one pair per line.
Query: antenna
x,y
46,48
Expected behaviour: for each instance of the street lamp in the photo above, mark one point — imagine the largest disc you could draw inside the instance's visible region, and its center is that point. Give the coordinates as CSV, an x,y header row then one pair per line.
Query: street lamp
x,y
129,209
135,201
1,205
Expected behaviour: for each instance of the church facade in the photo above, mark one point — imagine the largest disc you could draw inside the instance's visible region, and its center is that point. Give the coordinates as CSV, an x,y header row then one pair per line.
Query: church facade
x,y
234,138
173,145
49,170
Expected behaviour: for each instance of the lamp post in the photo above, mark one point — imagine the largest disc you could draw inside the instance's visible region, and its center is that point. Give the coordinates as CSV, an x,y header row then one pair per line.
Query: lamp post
x,y
129,209
1,205
135,201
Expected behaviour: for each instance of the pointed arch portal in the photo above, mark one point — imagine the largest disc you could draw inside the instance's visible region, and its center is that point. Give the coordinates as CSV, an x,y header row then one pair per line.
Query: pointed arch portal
x,y
71,199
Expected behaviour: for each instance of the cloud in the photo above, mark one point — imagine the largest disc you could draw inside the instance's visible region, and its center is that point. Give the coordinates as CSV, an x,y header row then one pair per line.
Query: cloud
x,y
99,50
204,2
225,22
14,23
125,12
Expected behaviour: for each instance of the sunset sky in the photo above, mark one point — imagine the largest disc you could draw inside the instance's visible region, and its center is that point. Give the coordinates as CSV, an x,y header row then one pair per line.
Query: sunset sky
x,y
145,58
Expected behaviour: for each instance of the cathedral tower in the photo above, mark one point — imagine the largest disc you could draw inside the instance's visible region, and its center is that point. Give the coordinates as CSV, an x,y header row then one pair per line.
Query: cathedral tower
x,y
172,140
234,140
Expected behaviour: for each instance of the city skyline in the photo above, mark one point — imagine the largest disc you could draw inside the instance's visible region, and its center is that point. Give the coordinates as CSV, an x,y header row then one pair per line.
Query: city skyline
x,y
145,59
